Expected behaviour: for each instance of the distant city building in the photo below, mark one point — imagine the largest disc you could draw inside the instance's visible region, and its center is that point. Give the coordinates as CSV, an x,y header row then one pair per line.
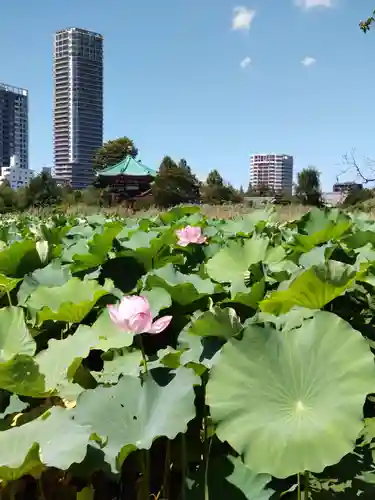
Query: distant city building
x,y
78,105
16,175
274,171
333,199
47,170
345,187
14,127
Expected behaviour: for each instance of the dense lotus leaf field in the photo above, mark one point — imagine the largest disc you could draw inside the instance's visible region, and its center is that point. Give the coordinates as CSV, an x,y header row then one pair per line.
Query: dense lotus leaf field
x,y
241,367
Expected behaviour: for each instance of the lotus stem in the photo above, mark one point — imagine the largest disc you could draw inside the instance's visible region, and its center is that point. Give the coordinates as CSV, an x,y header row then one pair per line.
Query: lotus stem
x,y
299,487
143,352
41,489
9,298
166,470
307,484
183,466
146,475
206,445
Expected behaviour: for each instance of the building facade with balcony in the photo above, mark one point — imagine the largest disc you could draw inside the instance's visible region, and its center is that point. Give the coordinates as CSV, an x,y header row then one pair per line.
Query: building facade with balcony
x,y
14,126
77,105
345,187
274,171
16,175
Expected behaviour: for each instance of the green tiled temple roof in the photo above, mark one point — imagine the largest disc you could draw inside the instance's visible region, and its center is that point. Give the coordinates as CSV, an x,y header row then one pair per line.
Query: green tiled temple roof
x,y
128,166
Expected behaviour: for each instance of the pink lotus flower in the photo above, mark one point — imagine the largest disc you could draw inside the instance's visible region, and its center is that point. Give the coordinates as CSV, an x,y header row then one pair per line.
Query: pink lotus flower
x,y
133,314
190,234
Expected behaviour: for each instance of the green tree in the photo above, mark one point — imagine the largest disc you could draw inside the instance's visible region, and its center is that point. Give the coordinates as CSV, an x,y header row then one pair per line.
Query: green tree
x,y
308,189
356,196
174,184
263,190
215,191
214,179
21,198
7,197
91,196
112,152
43,191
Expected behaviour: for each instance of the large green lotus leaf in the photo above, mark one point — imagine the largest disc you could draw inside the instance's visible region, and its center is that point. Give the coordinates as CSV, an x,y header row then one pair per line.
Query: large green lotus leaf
x,y
217,322
151,248
360,239
7,284
124,363
140,239
292,319
52,275
61,359
251,297
60,440
292,401
321,227
199,353
315,257
98,248
313,289
21,375
183,288
158,299
15,337
77,247
20,258
81,231
107,335
70,302
177,213
230,263
248,223
228,478
15,406
365,254
131,415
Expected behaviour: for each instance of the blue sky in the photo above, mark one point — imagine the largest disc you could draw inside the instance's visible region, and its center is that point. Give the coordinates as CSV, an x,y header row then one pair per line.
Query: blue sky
x,y
210,80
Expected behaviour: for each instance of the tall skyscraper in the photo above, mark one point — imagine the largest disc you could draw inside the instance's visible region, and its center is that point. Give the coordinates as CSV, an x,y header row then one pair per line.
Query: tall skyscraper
x,y
78,104
14,126
272,170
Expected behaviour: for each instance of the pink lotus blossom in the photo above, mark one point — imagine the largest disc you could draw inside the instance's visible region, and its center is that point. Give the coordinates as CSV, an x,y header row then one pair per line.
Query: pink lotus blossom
x,y
133,314
190,234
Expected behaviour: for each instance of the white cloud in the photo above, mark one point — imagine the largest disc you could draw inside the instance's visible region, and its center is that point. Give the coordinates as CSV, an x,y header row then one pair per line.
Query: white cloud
x,y
245,62
309,4
242,18
308,61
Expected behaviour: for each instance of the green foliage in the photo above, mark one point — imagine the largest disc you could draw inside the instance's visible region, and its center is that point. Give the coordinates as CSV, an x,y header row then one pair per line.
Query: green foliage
x,y
366,25
356,196
43,191
175,184
112,152
308,190
216,192
264,378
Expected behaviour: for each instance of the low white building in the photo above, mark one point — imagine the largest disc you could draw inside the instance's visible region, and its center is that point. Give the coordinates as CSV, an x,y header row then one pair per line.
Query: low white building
x,y
16,175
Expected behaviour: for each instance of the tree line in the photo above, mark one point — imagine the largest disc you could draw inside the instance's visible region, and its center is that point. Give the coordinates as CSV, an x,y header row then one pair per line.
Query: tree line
x,y
174,184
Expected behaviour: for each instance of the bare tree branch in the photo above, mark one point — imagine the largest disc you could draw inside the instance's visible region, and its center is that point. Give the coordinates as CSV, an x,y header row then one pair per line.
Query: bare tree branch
x,y
349,159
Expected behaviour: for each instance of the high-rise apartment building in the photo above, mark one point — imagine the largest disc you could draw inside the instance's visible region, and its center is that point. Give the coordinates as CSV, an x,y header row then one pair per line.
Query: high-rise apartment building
x,y
272,170
78,104
14,126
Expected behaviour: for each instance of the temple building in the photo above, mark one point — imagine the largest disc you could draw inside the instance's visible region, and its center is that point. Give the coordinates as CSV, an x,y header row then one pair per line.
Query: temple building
x,y
128,180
